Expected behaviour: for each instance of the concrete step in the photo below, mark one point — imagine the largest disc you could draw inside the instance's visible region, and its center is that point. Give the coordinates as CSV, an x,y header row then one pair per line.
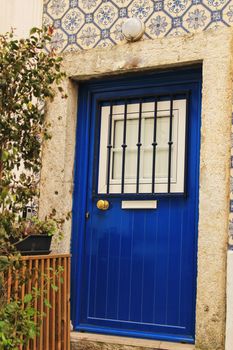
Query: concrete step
x,y
91,341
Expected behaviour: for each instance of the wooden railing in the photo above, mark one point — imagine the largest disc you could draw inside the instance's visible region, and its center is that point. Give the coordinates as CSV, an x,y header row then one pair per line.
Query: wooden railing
x,y
54,287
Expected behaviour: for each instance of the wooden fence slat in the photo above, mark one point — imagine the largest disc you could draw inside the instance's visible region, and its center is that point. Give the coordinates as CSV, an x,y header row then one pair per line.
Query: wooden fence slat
x,y
45,310
29,289
9,285
47,342
65,305
55,325
41,307
62,310
16,286
22,292
68,303
53,304
35,285
59,340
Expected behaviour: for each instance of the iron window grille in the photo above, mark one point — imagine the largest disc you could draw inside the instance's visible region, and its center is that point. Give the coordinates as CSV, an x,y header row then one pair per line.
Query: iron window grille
x,y
110,145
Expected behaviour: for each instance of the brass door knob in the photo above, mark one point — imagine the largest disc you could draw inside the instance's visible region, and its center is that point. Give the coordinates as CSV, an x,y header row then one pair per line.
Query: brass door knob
x,y
102,204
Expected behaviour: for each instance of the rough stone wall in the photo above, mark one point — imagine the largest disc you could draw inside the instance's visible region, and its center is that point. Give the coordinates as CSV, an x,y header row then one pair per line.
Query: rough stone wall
x,y
214,50
85,24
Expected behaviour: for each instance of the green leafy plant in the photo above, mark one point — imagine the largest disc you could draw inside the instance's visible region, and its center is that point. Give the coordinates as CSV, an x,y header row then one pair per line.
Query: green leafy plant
x,y
17,317
17,324
28,76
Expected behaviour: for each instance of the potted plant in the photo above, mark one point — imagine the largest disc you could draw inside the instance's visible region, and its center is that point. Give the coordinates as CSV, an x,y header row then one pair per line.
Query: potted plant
x,y
35,236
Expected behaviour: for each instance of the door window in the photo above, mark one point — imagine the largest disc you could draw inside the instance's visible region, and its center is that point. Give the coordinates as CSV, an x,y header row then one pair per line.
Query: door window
x,y
142,147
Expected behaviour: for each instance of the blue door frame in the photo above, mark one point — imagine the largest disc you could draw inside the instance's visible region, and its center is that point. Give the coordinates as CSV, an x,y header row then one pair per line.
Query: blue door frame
x,y
187,80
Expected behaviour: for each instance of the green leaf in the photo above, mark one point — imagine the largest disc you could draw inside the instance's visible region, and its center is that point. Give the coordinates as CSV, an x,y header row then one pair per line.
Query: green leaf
x,y
47,303
5,155
27,298
54,287
32,333
33,30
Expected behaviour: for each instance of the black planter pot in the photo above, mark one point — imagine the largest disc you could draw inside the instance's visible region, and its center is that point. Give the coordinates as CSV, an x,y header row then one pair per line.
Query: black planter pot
x,y
34,245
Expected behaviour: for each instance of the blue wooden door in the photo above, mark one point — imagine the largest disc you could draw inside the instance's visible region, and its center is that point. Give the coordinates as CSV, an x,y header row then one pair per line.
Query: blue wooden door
x,y
134,264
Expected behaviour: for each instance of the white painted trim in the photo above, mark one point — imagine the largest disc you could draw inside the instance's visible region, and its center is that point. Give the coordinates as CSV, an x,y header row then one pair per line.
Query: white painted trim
x,y
139,204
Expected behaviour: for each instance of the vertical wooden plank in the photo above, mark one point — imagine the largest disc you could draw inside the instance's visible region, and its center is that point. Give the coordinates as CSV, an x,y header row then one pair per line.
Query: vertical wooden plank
x,y
68,303
53,304
65,304
22,293
62,308
23,284
16,285
47,318
9,285
41,304
35,285
29,288
45,310
59,339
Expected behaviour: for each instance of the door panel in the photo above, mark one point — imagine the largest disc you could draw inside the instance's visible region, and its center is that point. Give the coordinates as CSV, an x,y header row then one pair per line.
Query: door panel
x,y
137,267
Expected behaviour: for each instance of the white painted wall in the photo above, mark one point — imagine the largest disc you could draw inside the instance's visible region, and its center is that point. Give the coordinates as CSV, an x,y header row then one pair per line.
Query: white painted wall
x,y
229,316
21,15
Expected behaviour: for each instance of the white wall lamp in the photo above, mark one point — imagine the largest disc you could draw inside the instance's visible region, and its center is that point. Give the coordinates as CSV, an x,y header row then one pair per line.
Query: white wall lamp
x,y
133,29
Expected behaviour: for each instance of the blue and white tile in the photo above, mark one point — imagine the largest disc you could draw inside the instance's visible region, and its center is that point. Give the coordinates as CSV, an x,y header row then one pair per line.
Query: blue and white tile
x,y
104,43
47,20
197,18
158,25
121,3
227,14
116,32
59,41
176,7
215,5
73,20
161,17
141,9
88,6
216,23
72,48
57,8
88,36
106,15
179,31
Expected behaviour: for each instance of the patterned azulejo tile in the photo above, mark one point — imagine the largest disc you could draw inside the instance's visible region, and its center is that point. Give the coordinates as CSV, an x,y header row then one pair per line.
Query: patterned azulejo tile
x,y
227,13
84,24
89,36
159,24
197,18
73,20
106,15
141,9
176,8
